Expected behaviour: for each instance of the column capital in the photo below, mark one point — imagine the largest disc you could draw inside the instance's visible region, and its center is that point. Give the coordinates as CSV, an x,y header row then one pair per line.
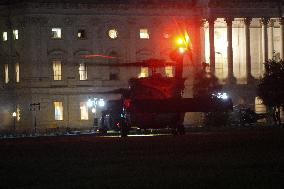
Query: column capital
x,y
202,22
271,23
247,21
229,20
264,21
211,20
281,21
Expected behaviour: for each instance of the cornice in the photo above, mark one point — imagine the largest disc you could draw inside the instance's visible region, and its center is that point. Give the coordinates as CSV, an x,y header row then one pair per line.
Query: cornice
x,y
244,4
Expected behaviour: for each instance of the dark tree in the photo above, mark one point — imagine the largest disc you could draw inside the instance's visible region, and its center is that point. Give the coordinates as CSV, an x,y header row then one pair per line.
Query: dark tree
x,y
205,84
271,87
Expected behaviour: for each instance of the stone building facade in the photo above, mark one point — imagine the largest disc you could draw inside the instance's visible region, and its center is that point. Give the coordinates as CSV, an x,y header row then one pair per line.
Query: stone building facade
x,y
47,79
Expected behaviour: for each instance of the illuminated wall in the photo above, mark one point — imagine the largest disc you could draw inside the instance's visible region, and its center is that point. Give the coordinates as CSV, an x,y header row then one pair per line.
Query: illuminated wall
x,y
239,44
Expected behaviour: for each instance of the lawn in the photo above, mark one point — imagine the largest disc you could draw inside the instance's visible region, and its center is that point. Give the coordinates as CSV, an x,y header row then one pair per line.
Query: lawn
x,y
249,158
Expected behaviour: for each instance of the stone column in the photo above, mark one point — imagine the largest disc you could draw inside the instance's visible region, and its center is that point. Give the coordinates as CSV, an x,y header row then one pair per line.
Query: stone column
x,y
249,77
281,22
270,40
194,30
202,40
264,22
211,22
231,78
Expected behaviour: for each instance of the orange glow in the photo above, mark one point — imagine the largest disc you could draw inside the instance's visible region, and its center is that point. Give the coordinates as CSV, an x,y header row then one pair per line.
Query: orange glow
x,y
97,55
181,50
180,41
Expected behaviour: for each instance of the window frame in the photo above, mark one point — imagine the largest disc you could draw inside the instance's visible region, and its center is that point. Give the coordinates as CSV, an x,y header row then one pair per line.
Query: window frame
x,y
84,72
114,29
58,114
17,72
15,34
85,34
55,76
147,34
6,74
84,109
56,38
4,36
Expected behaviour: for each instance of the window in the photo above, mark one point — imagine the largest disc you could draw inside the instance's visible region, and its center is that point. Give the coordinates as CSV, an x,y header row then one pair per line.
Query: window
x,y
17,72
81,34
6,73
169,71
58,111
84,111
15,34
18,113
144,72
113,33
83,71
56,69
259,106
5,36
144,34
56,33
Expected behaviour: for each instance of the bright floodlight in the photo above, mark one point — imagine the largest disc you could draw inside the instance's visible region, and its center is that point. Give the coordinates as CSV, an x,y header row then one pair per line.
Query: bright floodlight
x,y
101,102
89,103
94,110
224,96
14,114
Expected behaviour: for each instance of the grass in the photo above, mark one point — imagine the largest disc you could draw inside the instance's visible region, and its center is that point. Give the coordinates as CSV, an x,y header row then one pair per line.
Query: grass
x,y
238,159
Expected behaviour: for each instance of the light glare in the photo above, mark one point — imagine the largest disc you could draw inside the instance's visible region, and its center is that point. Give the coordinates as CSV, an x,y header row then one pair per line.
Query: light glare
x,y
101,102
89,103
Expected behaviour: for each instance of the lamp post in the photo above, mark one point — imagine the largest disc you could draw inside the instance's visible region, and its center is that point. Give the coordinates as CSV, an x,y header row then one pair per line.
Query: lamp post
x,y
14,114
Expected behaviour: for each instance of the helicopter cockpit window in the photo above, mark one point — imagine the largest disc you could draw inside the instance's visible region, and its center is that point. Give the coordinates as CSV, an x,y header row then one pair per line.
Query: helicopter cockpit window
x,y
169,71
144,72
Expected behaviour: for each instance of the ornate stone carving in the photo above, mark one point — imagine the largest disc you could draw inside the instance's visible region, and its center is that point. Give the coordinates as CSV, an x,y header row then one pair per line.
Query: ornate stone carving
x,y
211,20
281,21
229,21
68,21
247,21
32,20
271,23
264,21
202,22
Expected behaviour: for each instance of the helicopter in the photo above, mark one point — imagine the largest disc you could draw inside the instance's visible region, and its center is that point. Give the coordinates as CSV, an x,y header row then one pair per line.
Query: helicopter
x,y
154,102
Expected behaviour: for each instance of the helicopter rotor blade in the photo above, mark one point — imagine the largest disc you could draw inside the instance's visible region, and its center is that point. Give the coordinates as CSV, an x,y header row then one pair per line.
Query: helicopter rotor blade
x,y
146,63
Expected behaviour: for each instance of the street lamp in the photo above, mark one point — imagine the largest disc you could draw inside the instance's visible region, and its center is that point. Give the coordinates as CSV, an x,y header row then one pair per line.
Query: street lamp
x,y
14,114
